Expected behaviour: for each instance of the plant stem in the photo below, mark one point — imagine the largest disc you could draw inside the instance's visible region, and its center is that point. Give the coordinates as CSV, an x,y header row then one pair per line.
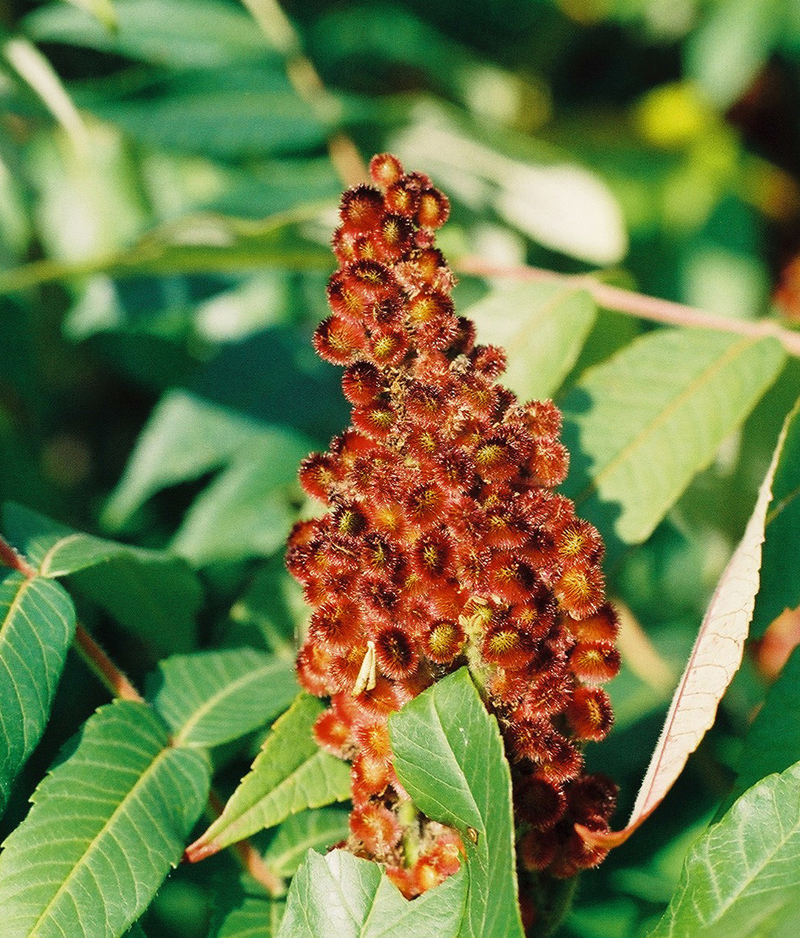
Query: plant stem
x,y
103,667
10,558
250,859
94,656
638,304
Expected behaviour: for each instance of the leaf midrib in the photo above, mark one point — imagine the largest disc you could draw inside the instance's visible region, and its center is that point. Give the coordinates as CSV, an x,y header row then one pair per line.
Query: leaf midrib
x,y
779,845
13,606
92,845
226,691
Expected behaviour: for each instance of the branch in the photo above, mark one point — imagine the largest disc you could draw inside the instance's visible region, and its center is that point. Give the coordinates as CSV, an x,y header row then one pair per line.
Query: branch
x,y
103,667
249,858
10,558
640,305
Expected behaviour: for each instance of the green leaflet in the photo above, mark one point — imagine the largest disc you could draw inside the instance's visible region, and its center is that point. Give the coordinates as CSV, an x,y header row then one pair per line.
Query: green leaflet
x,y
772,743
780,569
151,593
640,425
299,833
542,327
188,436
742,877
212,697
179,32
290,774
37,622
252,917
106,825
449,757
341,896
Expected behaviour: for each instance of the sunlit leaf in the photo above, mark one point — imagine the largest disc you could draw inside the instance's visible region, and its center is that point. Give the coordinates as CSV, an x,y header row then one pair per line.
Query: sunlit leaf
x,y
106,825
341,896
186,437
715,658
731,46
290,774
37,622
641,425
449,756
743,877
542,327
212,697
245,511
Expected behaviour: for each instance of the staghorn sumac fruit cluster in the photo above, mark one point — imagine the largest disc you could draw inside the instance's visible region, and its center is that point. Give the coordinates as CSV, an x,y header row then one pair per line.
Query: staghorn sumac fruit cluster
x,y
444,544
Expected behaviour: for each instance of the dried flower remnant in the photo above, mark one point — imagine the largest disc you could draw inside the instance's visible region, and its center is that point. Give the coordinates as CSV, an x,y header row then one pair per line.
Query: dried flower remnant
x,y
444,544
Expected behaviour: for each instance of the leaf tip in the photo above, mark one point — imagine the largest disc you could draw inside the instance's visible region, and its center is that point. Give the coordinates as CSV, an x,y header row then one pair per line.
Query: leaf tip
x,y
201,849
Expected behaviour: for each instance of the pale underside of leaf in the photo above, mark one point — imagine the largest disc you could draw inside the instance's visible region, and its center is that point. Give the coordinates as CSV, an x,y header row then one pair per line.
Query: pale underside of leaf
x,y
715,658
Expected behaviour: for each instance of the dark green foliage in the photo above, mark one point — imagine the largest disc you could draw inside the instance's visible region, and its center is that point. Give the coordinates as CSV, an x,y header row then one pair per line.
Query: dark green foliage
x,y
166,205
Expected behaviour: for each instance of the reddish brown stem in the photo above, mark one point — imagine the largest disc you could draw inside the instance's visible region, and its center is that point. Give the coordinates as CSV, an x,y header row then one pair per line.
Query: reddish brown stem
x,y
119,685
104,668
247,855
640,305
10,558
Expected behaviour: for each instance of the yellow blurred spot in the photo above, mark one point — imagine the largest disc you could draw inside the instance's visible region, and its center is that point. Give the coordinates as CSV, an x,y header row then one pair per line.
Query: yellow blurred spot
x,y
673,115
584,11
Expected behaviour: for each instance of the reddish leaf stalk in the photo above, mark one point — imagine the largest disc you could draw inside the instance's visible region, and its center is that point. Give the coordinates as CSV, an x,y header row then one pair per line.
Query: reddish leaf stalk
x,y
15,561
104,668
639,304
248,857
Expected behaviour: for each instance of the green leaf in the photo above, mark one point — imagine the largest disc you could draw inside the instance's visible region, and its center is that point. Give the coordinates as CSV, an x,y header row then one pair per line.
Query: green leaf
x,y
772,743
317,830
37,622
449,756
151,593
731,46
245,511
186,437
290,774
780,570
542,327
640,425
102,10
212,697
341,896
106,825
174,32
742,877
253,917
237,110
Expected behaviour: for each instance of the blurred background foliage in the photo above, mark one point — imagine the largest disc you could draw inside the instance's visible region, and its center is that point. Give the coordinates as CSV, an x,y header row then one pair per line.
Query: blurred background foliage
x,y
166,198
